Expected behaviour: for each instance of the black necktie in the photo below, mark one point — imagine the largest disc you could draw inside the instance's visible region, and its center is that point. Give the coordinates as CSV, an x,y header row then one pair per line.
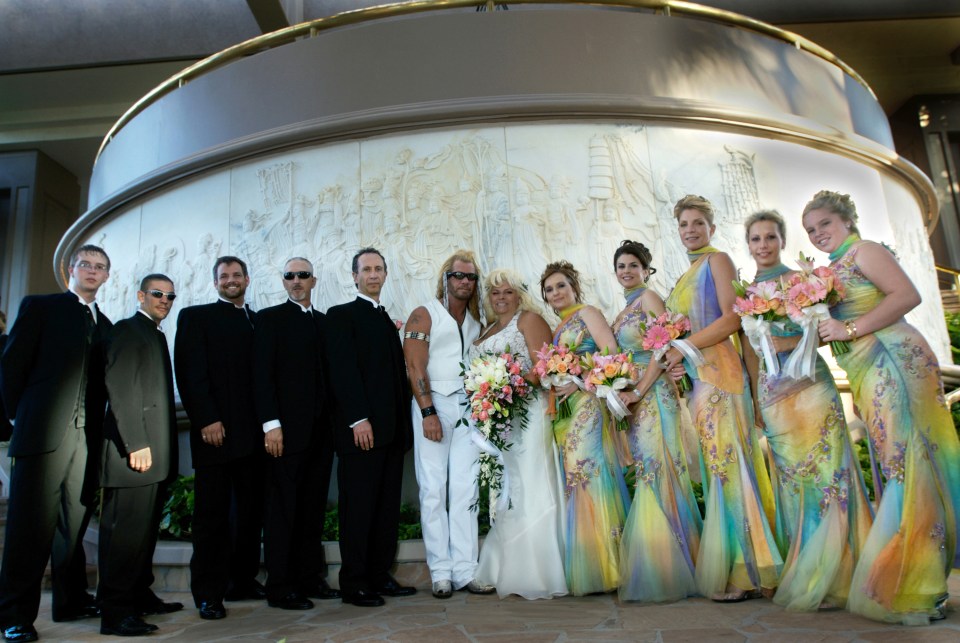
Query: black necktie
x,y
91,323
383,311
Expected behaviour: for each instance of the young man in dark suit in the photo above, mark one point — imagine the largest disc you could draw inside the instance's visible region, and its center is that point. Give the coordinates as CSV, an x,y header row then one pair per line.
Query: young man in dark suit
x,y
373,430
212,360
51,377
139,460
289,392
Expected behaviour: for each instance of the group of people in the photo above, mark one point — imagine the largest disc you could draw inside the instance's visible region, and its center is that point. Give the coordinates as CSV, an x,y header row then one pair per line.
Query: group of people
x,y
592,508
802,530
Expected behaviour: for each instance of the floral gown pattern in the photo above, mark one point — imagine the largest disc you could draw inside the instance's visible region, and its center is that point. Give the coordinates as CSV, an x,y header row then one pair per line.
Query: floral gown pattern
x,y
737,547
593,494
896,384
823,512
661,534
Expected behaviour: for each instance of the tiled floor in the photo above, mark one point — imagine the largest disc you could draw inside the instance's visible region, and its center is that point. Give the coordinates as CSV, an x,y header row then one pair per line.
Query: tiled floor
x,y
487,619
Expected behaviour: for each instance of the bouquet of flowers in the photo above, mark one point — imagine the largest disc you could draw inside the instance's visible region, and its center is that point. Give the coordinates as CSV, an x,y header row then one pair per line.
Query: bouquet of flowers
x,y
665,330
760,307
497,400
558,366
607,374
808,295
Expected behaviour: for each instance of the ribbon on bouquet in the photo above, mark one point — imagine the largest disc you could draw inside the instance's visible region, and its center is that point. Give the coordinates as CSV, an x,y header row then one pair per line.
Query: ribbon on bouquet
x,y
690,352
503,493
757,330
558,379
803,360
561,379
609,393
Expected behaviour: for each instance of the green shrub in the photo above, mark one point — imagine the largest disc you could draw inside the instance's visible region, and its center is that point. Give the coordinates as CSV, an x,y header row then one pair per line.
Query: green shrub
x,y
176,519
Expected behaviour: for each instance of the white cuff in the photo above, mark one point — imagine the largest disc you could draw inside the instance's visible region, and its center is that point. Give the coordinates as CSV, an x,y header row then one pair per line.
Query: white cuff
x,y
358,422
271,425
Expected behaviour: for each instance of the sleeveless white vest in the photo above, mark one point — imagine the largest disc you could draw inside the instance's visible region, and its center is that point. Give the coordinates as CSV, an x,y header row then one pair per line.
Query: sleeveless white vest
x,y
446,350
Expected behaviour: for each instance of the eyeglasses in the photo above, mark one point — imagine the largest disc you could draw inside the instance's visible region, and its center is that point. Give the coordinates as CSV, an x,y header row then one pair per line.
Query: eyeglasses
x,y
86,265
159,294
303,274
472,276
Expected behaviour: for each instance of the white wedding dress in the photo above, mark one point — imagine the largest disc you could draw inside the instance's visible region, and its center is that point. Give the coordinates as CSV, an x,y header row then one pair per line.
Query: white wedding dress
x,y
522,554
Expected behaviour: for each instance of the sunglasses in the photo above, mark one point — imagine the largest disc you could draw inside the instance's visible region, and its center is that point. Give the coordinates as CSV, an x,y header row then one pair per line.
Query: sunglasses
x,y
472,276
158,294
303,274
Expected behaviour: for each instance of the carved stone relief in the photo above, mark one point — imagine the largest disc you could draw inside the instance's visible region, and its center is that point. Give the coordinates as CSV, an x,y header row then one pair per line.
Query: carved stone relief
x,y
518,195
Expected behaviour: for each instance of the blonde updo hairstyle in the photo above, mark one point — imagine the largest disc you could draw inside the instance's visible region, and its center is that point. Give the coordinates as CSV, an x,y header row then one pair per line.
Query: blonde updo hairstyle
x,y
506,277
765,215
694,202
566,269
840,204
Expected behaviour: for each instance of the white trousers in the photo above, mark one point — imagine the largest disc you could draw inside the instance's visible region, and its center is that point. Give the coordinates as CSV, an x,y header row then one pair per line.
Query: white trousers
x,y
447,477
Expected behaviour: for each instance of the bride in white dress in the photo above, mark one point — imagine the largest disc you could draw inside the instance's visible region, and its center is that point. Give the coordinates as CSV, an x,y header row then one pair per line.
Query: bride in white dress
x,y
522,554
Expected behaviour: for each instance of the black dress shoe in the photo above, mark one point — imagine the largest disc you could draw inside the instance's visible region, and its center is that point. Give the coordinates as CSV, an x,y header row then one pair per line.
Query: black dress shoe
x,y
20,633
160,608
292,601
212,610
322,591
363,598
392,588
75,614
127,626
252,591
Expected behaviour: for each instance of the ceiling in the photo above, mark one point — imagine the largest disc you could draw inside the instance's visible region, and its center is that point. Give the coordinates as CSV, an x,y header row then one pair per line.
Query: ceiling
x,y
68,70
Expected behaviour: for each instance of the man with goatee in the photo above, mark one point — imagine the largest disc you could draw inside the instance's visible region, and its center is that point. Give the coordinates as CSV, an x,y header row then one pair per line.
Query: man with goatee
x,y
213,362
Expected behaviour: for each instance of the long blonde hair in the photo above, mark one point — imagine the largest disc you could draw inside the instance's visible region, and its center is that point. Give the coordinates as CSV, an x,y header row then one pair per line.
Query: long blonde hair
x,y
505,276
465,256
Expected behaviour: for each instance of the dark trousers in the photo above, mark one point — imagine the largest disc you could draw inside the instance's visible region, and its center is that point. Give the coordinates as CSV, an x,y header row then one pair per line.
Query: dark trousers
x,y
227,526
129,521
369,511
44,522
297,487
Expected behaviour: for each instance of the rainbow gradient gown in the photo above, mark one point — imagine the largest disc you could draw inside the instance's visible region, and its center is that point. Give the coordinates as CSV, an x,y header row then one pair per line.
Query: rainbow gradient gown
x,y
736,547
895,380
661,534
593,496
823,511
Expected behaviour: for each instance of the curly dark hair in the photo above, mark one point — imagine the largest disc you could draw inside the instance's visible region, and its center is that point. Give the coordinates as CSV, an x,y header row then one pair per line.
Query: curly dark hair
x,y
638,250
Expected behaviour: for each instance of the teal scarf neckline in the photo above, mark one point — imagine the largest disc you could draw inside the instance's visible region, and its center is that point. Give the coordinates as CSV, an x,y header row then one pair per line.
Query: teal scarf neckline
x,y
842,250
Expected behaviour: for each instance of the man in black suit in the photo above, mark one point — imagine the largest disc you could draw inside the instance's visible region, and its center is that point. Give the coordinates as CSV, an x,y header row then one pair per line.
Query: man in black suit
x,y
212,359
139,457
373,430
290,391
51,377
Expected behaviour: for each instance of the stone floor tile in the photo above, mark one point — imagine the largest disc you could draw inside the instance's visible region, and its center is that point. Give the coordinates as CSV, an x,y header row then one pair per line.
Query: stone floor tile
x,y
699,635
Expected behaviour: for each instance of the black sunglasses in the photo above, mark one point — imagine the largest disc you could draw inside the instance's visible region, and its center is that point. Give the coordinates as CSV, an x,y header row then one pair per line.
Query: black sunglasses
x,y
472,276
303,274
158,294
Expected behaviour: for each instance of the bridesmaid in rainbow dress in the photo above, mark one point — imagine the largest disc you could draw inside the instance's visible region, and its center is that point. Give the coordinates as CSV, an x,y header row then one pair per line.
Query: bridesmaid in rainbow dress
x,y
738,556
661,534
823,514
594,496
894,376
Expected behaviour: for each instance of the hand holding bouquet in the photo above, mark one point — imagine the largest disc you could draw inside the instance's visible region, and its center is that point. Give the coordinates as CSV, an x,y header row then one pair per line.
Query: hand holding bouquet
x,y
558,366
607,374
760,307
661,332
497,399
808,295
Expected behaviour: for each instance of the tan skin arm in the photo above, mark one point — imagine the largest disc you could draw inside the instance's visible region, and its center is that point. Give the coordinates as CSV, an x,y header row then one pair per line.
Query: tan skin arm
x,y
901,296
727,324
417,354
651,304
536,333
752,362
